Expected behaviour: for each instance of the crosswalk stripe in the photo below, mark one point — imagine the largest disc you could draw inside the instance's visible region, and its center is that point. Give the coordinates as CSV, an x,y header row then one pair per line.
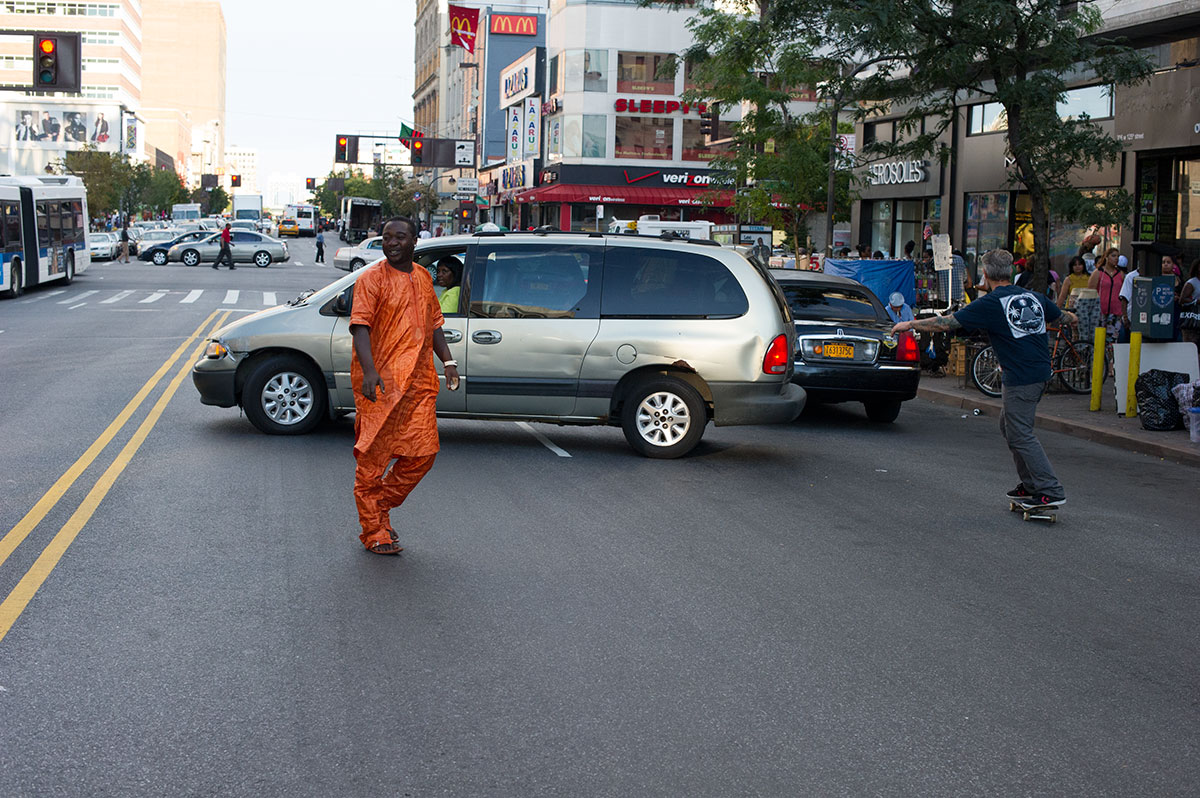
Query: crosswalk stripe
x,y
153,297
192,296
297,263
77,297
269,299
231,296
46,295
115,298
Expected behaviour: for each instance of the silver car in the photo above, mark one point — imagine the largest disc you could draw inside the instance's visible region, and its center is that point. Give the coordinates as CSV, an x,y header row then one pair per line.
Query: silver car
x,y
354,258
247,247
655,336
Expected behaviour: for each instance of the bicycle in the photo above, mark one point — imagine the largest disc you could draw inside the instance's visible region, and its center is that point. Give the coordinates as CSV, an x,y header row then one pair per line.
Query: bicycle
x,y
1070,361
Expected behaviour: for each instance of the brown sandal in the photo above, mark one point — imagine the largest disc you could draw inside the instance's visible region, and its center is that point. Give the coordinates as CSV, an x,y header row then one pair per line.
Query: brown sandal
x,y
381,543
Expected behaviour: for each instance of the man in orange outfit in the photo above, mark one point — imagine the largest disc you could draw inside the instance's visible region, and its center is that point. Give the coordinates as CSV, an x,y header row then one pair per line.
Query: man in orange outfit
x,y
396,325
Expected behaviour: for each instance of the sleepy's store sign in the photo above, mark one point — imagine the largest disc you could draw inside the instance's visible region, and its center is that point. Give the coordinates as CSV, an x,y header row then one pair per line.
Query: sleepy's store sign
x,y
631,106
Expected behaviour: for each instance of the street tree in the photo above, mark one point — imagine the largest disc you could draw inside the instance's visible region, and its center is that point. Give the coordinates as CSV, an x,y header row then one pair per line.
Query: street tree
x,y
104,174
137,178
166,189
1019,54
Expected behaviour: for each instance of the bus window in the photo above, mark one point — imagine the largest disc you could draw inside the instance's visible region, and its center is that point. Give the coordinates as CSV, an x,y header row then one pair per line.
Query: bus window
x,y
68,224
78,223
12,225
43,225
54,213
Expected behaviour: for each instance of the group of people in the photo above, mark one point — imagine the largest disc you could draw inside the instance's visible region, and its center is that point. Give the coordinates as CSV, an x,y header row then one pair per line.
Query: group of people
x,y
48,128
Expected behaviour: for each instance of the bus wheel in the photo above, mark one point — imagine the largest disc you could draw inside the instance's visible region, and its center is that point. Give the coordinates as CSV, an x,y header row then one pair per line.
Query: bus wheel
x,y
16,277
70,272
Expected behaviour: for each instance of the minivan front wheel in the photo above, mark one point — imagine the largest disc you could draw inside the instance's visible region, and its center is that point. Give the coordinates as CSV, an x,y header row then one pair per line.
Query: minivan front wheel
x,y
663,418
284,396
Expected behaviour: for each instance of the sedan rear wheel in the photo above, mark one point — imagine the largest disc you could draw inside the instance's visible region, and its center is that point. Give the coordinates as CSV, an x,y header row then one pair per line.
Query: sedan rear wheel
x,y
190,257
159,258
262,259
663,418
882,411
284,396
356,264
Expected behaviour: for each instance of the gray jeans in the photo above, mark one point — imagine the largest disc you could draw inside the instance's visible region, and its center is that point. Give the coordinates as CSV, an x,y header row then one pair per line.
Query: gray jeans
x,y
1016,425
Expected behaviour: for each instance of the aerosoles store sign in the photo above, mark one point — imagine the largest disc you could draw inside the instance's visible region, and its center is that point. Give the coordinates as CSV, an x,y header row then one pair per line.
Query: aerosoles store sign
x,y
890,173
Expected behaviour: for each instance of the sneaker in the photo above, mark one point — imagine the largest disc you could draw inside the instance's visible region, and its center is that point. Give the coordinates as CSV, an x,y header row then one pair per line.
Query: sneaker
x,y
1042,501
1019,493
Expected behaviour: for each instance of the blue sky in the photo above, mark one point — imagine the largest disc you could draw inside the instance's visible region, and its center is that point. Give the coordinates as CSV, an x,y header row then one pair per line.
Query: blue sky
x,y
301,72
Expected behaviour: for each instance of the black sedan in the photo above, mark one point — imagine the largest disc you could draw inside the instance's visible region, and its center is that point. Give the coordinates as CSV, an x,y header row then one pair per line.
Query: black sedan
x,y
845,351
156,253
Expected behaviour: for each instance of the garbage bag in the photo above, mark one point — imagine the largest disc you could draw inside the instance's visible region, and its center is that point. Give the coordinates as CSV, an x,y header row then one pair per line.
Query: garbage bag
x,y
1187,396
1156,403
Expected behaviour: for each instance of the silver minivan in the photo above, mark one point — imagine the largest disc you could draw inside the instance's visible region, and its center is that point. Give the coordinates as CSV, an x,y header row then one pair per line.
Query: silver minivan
x,y
658,336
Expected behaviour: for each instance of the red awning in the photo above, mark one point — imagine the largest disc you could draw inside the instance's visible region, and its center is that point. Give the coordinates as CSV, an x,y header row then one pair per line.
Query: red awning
x,y
627,195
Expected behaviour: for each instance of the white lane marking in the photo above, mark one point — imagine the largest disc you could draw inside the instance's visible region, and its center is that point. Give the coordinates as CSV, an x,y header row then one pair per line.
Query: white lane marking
x,y
117,298
192,296
297,263
76,298
545,441
157,295
81,304
269,299
231,296
46,295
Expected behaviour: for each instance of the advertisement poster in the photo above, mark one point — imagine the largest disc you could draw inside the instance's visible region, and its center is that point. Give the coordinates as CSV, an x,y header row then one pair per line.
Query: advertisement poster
x,y
533,127
130,143
49,127
514,127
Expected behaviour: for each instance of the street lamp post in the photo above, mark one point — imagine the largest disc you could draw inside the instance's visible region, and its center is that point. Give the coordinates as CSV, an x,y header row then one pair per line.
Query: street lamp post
x,y
429,187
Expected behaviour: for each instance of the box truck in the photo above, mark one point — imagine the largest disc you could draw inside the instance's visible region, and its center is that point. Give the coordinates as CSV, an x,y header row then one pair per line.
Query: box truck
x,y
248,206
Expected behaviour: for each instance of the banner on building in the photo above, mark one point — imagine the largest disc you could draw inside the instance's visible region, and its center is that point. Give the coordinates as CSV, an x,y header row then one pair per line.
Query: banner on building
x,y
533,127
129,142
514,133
464,24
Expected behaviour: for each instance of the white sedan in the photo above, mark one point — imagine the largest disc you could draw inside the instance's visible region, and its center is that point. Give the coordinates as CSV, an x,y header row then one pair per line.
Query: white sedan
x,y
103,246
354,258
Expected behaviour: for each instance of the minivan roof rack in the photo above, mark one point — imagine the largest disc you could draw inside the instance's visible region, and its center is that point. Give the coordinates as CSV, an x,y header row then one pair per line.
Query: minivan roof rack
x,y
666,235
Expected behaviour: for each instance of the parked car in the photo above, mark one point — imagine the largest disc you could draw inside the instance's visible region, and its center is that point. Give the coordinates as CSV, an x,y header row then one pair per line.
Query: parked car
x,y
354,258
243,224
657,337
845,351
157,252
247,247
103,246
288,227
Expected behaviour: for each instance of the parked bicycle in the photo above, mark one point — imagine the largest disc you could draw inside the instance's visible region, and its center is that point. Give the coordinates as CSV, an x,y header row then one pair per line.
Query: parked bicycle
x,y
1070,361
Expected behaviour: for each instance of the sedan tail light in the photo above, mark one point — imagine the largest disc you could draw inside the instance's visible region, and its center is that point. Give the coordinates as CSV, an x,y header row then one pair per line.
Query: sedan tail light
x,y
908,350
776,359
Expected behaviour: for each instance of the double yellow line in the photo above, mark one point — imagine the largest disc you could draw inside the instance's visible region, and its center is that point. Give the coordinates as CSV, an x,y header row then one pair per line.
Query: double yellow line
x,y
20,596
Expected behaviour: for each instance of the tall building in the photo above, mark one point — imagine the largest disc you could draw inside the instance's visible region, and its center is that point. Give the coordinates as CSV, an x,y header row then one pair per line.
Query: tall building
x,y
39,129
427,61
184,58
243,162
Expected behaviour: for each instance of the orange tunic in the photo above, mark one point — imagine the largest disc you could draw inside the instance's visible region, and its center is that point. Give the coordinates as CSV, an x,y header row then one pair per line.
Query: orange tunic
x,y
402,311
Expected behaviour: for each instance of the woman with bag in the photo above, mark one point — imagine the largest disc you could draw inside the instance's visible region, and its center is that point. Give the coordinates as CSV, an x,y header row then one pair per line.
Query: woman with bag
x,y
1107,280
1189,306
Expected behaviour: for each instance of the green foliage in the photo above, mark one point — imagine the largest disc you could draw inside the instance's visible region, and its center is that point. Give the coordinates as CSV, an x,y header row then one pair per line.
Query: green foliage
x,y
166,189
388,184
115,184
212,201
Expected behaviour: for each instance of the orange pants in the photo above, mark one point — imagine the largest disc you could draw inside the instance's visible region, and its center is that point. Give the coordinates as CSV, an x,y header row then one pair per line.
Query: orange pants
x,y
377,490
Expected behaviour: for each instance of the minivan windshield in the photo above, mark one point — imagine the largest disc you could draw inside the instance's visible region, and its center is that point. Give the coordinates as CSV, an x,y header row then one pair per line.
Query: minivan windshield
x,y
828,302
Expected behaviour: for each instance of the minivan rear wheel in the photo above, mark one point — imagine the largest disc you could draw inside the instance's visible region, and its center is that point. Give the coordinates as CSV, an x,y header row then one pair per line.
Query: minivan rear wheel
x,y
663,418
284,396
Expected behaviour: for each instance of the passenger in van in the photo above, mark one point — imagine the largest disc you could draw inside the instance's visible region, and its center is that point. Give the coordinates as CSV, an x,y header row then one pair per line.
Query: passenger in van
x,y
449,276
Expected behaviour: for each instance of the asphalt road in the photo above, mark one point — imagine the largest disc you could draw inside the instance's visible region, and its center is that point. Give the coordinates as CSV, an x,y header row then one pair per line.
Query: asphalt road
x,y
824,608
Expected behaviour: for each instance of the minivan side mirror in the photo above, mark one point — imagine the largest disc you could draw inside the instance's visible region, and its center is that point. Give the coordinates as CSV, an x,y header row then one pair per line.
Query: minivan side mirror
x,y
340,305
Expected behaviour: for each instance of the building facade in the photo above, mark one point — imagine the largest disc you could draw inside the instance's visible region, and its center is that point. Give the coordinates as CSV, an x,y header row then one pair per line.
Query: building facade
x,y
243,162
40,128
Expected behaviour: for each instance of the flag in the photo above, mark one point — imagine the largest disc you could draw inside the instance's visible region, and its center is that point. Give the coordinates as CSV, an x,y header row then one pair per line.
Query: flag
x,y
927,233
407,134
464,22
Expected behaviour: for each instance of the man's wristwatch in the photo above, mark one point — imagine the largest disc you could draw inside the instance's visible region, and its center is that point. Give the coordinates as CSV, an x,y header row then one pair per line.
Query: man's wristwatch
x,y
450,363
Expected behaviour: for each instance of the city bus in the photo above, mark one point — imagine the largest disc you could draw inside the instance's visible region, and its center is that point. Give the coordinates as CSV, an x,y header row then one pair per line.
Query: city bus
x,y
44,232
305,216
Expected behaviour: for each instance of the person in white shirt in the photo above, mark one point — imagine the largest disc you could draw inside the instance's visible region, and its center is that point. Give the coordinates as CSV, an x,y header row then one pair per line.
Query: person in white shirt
x,y
424,231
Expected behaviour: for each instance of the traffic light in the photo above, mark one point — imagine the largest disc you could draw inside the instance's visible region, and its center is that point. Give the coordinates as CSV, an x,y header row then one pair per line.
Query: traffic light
x,y
56,62
710,124
418,152
235,181
341,149
310,183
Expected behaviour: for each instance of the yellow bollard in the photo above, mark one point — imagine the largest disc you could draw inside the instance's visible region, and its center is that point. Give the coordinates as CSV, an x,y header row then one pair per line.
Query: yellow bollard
x,y
1097,368
1135,368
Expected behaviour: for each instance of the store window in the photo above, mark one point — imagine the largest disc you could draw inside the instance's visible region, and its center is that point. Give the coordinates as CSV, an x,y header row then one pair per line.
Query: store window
x,y
572,136
595,70
881,225
987,224
986,118
555,75
637,73
643,137
694,148
910,219
595,136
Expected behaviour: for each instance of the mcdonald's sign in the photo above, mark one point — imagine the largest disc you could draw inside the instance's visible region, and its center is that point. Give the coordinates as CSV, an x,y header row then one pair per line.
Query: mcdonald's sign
x,y
514,24
464,22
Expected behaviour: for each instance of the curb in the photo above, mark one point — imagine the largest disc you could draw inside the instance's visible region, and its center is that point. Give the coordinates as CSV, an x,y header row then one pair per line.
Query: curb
x,y
1078,429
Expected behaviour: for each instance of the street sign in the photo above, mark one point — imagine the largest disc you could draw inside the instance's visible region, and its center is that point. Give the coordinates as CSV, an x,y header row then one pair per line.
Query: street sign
x,y
470,184
464,196
464,153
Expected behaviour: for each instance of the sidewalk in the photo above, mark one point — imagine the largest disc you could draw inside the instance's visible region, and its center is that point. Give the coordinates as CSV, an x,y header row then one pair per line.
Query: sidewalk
x,y
1066,412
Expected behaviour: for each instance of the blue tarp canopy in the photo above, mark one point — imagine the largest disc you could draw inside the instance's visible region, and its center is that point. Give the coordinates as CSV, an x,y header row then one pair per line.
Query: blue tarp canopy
x,y
883,277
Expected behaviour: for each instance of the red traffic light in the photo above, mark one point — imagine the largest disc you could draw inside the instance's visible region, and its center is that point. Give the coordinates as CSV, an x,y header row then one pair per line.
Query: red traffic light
x,y
342,140
47,46
418,145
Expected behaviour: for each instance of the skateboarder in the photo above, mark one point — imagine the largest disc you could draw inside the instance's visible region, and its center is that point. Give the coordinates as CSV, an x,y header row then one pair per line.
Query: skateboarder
x,y
1015,320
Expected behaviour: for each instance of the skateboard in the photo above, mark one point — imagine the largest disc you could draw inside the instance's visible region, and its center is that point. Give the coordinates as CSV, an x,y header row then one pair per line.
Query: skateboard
x,y
1049,514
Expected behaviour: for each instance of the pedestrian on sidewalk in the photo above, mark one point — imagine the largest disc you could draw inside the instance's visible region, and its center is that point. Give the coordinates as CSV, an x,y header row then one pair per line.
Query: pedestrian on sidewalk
x,y
1015,320
320,248
226,253
396,325
1189,306
1107,280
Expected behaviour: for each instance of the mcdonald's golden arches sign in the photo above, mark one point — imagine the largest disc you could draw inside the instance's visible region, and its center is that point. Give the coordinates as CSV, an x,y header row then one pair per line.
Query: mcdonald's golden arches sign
x,y
516,24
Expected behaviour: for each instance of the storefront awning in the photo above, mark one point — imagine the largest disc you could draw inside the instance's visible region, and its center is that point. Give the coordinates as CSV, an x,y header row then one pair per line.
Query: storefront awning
x,y
627,195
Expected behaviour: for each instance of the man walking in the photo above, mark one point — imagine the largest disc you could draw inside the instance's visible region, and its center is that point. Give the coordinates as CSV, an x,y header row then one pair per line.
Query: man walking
x,y
226,253
125,241
320,248
1015,320
396,325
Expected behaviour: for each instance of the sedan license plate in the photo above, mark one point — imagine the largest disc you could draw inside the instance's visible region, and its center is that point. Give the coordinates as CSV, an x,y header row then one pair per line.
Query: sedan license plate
x,y
839,350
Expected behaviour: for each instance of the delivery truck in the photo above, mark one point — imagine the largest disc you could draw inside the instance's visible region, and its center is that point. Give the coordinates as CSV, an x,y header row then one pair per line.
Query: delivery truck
x,y
652,225
360,216
248,206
